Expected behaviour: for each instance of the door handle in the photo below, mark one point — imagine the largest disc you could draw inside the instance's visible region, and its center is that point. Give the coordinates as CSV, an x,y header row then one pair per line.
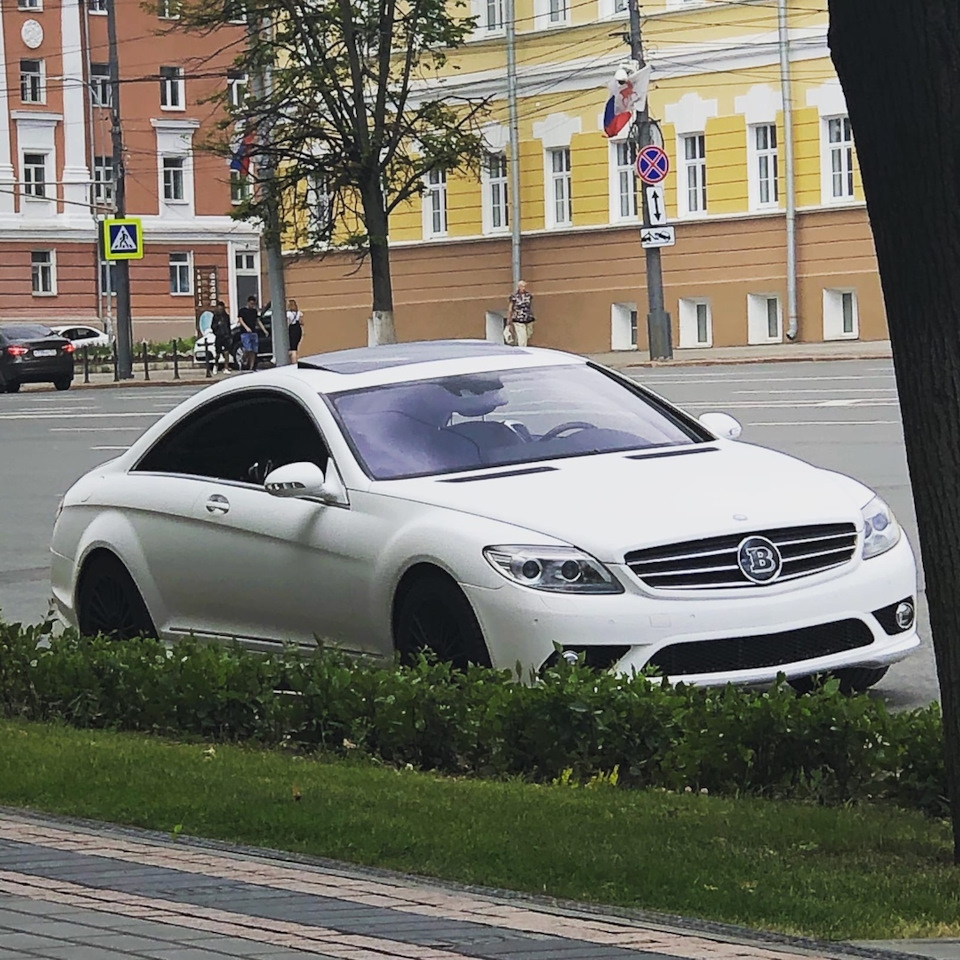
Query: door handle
x,y
217,504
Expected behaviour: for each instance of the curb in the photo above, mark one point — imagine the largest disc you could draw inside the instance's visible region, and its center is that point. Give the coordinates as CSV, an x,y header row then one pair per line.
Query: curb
x,y
739,361
722,932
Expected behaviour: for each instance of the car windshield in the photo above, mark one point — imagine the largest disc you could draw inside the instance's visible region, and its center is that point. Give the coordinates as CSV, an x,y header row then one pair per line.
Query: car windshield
x,y
25,331
496,419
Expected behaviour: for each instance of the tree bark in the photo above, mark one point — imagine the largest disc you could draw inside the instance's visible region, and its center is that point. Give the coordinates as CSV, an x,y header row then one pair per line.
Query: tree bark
x,y
381,328
899,64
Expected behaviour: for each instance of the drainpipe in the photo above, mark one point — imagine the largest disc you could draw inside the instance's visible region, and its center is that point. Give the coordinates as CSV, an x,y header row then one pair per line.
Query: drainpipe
x,y
511,25
785,86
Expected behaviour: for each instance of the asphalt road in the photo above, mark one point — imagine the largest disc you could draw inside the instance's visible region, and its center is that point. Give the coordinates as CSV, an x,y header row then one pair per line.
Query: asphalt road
x,y
842,415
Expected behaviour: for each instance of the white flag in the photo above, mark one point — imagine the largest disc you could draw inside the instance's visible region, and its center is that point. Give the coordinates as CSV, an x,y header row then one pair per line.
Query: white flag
x,y
632,93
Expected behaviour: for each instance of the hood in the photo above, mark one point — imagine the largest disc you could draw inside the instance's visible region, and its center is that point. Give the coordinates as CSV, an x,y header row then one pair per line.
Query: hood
x,y
612,503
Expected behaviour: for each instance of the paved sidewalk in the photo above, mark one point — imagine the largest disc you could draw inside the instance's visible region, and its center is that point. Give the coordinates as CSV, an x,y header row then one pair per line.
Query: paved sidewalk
x,y
189,373
73,891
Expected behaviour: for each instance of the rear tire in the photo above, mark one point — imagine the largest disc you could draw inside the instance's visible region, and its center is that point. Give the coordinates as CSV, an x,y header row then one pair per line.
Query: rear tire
x,y
109,603
433,613
63,383
11,386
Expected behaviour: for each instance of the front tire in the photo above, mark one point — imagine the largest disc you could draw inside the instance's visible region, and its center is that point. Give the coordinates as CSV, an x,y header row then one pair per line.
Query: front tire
x,y
432,613
109,603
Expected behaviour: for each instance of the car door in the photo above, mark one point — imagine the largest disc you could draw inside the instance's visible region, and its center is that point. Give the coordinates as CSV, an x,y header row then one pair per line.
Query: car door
x,y
267,570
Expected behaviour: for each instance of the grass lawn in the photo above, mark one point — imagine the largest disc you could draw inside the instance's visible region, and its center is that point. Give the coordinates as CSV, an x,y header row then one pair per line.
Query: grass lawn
x,y
839,873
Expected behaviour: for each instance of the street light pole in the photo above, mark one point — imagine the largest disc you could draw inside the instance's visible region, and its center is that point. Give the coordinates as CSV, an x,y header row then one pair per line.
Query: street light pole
x,y
659,329
121,268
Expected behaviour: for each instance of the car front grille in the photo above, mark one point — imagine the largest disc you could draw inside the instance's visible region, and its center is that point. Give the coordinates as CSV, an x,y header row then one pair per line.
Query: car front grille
x,y
711,564
767,650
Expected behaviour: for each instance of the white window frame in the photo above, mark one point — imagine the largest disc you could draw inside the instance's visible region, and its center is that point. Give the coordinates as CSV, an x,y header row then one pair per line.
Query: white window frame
x,y
844,150
28,185
623,182
103,180
559,199
624,326
241,187
29,4
612,9
44,272
101,89
496,193
692,175
97,7
696,316
168,9
758,317
173,89
237,88
558,12
36,80
181,166
183,265
435,204
108,285
492,21
761,159
833,314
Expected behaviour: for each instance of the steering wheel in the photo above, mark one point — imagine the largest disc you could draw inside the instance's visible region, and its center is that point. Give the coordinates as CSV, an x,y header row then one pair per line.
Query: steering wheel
x,y
562,428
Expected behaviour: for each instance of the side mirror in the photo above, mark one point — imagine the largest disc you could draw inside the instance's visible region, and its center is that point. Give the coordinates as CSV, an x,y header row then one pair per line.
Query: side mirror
x,y
298,480
722,425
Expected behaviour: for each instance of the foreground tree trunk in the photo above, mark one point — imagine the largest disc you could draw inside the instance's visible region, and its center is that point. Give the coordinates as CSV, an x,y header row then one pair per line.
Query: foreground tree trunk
x,y
899,64
381,328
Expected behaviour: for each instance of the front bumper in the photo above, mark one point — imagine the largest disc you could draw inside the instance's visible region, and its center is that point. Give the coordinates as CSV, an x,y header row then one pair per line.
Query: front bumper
x,y
524,626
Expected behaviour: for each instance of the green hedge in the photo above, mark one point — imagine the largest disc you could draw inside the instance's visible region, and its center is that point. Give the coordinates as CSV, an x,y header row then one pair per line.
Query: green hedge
x,y
573,723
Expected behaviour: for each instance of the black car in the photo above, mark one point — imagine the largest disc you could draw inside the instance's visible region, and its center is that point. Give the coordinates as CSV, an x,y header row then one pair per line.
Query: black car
x,y
33,353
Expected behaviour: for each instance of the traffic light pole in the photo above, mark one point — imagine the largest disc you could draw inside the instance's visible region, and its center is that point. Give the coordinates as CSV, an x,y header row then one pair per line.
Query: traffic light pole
x,y
119,270
659,329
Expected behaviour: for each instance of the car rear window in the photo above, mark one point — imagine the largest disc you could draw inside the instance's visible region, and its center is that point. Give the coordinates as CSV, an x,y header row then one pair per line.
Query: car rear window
x,y
25,331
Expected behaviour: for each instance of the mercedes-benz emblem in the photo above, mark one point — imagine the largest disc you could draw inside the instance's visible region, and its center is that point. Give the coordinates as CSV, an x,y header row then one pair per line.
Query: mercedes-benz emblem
x,y
759,559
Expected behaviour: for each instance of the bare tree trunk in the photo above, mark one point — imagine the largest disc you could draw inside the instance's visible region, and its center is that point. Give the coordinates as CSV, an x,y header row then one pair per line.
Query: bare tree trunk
x,y
381,328
899,63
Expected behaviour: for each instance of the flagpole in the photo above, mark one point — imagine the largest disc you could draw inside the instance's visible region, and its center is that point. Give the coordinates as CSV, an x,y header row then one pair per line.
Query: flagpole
x,y
659,328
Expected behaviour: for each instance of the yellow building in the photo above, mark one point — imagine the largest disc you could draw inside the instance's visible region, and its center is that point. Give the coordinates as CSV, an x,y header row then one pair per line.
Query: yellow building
x,y
717,91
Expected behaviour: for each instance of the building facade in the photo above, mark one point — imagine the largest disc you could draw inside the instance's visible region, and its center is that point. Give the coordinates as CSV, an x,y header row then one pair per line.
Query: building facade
x,y
717,92
56,166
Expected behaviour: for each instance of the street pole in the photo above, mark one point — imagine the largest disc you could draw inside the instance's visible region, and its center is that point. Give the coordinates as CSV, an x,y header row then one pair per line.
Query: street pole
x,y
659,330
119,269
510,15
262,83
793,312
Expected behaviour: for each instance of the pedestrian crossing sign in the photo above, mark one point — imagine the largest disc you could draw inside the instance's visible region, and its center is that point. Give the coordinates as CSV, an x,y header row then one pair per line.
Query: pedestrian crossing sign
x,y
123,238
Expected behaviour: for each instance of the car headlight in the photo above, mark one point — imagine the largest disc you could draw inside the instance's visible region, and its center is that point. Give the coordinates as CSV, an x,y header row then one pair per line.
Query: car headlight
x,y
881,532
556,569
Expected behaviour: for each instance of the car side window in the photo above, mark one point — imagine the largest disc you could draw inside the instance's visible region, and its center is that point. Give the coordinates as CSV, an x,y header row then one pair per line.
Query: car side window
x,y
239,438
70,333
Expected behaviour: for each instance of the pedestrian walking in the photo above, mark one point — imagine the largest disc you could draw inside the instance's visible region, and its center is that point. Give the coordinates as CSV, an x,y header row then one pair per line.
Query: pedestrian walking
x,y
294,327
250,328
220,325
518,330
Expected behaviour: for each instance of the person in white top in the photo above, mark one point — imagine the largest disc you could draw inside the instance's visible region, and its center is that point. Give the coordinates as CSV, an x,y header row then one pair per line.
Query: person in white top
x,y
294,327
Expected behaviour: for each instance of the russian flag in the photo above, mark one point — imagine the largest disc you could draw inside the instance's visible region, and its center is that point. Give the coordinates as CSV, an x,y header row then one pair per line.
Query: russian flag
x,y
614,122
241,157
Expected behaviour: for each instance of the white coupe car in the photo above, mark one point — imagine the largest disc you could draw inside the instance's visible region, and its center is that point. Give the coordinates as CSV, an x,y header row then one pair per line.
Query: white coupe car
x,y
496,505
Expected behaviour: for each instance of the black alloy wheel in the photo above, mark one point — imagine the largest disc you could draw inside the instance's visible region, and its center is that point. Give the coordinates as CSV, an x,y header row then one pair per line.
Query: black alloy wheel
x,y
433,614
109,603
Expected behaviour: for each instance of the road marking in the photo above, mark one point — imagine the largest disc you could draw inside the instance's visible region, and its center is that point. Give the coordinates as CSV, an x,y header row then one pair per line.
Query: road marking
x,y
780,380
796,391
111,448
789,404
74,416
822,423
93,429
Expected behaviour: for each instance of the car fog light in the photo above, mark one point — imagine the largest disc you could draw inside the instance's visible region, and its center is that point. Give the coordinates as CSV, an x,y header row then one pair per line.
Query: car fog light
x,y
904,615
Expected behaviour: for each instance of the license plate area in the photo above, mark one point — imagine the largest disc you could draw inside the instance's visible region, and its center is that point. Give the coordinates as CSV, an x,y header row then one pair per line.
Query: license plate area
x,y
44,353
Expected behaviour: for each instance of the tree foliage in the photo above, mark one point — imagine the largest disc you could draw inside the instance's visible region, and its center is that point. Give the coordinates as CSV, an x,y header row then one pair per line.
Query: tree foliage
x,y
344,113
